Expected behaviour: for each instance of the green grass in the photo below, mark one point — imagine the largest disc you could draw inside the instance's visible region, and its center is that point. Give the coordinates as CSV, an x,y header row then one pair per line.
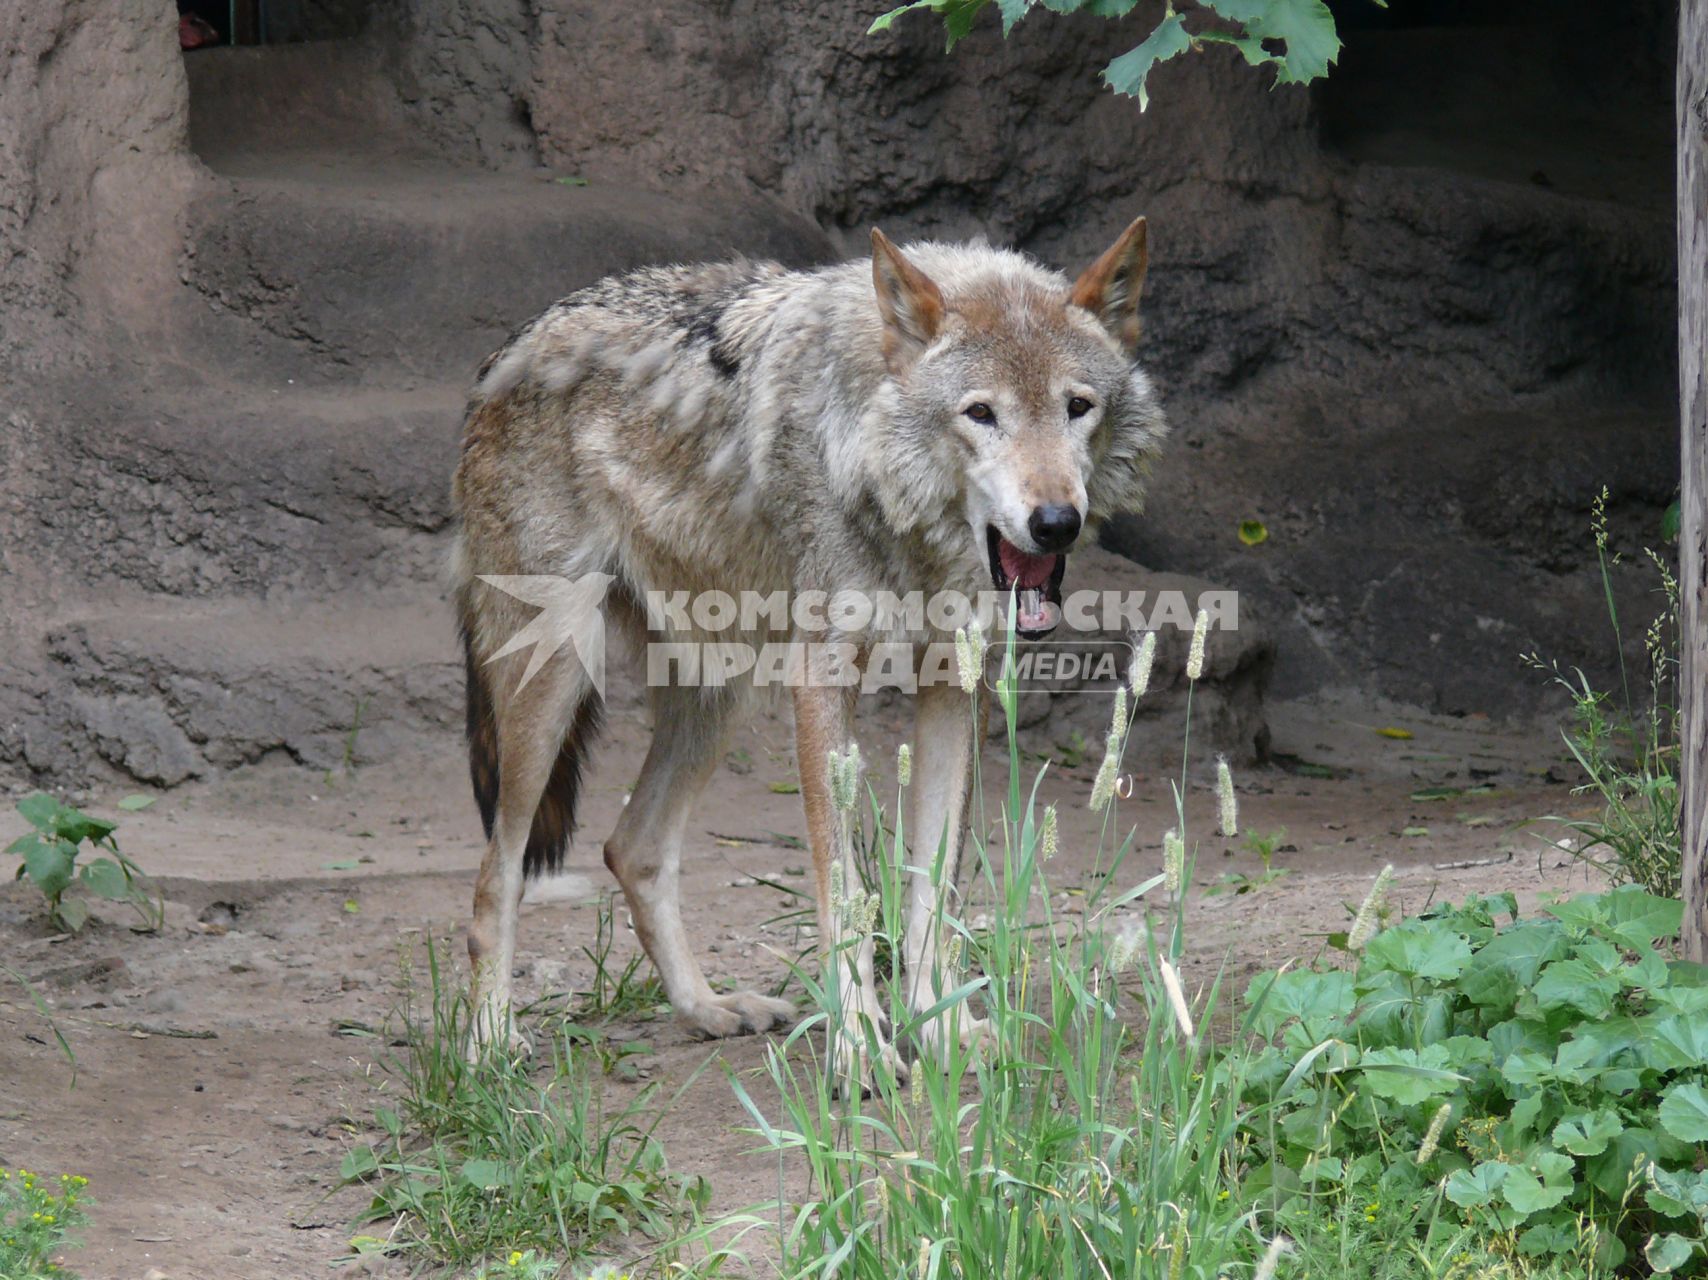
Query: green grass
x,y
1093,1132
477,1162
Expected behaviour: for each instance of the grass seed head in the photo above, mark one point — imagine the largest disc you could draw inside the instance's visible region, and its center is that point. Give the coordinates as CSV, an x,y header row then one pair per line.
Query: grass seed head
x,y
1173,860
1144,658
1225,797
1195,656
1365,923
1432,1139
1176,998
1103,788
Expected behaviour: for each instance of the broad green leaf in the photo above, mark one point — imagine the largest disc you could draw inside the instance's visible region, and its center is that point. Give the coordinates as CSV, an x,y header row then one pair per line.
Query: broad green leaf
x,y
1588,1132
1416,950
73,913
1012,11
39,810
1316,998
1684,1112
487,1175
1409,1076
130,804
1529,1117
1574,984
1518,1035
1677,1193
1527,1070
1548,1237
1666,1254
358,1162
958,18
1475,1188
1628,915
76,826
1127,73
1610,1172
1614,1041
1671,521
1541,1184
106,879
1677,1043
1320,1168
50,863
1306,26
1649,972
1510,961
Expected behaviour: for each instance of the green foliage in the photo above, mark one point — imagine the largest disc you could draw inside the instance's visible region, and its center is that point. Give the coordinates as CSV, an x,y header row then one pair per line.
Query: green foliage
x,y
477,1161
36,1217
1296,37
49,857
1628,746
1560,1062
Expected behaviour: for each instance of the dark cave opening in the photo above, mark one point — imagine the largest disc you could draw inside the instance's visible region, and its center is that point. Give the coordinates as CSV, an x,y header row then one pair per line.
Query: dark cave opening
x,y
1570,95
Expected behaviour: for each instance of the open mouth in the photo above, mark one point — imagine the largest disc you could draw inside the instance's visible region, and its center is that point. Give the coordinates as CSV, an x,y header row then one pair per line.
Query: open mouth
x,y
1036,581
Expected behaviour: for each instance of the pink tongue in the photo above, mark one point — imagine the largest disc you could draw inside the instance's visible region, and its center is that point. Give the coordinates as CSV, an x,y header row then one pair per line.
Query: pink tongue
x,y
1024,570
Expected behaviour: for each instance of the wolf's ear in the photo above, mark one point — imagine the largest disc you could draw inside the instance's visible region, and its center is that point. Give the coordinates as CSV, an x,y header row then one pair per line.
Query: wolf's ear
x,y
909,301
1109,288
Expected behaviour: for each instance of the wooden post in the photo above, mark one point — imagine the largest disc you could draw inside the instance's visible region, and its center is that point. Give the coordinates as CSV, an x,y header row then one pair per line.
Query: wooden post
x,y
1692,120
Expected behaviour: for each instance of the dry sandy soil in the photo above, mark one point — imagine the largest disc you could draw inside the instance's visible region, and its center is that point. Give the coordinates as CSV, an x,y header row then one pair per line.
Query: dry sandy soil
x,y
215,1086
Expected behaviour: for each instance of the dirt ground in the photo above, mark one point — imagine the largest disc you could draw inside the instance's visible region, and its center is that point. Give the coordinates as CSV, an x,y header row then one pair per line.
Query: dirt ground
x,y
217,1072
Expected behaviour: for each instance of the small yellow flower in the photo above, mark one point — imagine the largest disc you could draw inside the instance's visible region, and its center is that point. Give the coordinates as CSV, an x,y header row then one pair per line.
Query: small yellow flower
x,y
515,1257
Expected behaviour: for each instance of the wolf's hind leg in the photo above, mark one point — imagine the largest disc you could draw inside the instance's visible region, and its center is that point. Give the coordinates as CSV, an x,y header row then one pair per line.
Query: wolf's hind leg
x,y
531,725
645,853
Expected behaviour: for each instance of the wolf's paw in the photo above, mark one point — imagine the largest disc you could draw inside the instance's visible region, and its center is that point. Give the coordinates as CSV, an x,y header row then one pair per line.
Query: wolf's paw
x,y
496,1035
739,1013
857,1071
934,1036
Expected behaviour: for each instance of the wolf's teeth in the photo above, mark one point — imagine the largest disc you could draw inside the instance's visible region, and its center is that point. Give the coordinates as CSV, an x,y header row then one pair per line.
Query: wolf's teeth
x,y
1030,602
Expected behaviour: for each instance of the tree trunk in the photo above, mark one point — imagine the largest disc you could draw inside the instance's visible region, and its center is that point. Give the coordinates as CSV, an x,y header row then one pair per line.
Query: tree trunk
x,y
1693,408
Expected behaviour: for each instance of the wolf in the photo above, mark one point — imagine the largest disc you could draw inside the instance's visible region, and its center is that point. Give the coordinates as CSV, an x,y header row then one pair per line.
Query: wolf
x,y
942,417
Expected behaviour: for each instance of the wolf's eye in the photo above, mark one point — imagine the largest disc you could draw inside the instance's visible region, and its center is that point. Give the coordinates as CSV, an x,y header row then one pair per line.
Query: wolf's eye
x,y
979,411
1078,407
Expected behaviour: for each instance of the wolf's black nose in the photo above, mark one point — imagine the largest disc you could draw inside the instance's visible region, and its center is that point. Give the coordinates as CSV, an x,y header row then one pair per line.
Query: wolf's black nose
x,y
1054,526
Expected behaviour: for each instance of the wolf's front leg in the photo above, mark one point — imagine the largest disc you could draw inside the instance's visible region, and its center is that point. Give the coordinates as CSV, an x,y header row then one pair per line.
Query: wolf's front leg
x,y
823,716
937,827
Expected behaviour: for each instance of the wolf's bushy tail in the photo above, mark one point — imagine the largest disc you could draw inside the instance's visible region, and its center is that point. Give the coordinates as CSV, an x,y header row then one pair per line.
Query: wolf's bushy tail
x,y
554,820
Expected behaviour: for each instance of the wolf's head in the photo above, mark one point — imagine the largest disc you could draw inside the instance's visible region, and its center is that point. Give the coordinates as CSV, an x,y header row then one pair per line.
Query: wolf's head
x,y
1019,391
